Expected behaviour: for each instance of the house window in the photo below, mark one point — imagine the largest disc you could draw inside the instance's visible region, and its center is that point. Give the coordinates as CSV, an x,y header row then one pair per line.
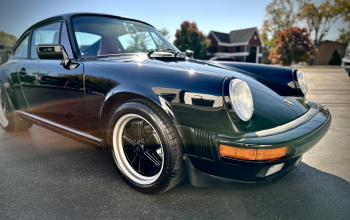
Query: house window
x,y
238,49
224,49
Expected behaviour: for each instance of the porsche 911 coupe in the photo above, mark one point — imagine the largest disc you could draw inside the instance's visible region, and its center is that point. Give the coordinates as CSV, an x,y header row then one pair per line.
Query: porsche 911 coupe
x,y
117,83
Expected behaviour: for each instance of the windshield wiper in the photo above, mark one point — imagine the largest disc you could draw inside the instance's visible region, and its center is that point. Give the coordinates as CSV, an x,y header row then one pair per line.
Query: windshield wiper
x,y
175,54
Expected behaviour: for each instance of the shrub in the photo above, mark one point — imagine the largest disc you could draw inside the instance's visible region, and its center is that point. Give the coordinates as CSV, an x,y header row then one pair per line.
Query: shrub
x,y
335,59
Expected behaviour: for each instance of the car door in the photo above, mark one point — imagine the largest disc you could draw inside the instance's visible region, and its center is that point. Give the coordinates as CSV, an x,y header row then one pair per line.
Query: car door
x,y
14,88
52,91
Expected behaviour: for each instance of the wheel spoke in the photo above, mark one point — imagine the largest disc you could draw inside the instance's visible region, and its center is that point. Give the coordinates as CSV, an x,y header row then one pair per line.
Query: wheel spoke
x,y
151,160
151,141
137,129
140,161
129,139
148,137
133,159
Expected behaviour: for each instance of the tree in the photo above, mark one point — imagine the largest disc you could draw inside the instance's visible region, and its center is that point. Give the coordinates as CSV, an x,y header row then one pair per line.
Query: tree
x,y
7,39
190,38
335,59
320,18
344,36
165,33
293,44
281,14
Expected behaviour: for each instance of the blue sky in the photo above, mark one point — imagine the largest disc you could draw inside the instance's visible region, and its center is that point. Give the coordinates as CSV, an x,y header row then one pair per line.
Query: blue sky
x,y
219,15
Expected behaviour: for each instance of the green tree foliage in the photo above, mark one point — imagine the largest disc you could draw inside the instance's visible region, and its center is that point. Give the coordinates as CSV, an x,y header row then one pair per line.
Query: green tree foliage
x,y
344,36
165,33
292,44
265,55
190,38
320,18
7,39
281,14
335,59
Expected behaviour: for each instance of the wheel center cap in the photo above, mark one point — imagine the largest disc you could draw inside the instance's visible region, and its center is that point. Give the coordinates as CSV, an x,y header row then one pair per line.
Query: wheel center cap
x,y
139,148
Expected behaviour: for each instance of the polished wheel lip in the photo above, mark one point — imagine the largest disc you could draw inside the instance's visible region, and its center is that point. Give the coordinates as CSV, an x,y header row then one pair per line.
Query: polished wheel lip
x,y
3,119
120,157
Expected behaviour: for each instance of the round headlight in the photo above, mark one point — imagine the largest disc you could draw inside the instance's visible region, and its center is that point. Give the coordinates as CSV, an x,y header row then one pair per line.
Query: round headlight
x,y
302,81
241,98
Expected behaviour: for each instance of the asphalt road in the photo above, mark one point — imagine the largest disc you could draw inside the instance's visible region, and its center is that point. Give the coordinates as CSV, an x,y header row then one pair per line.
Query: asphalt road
x,y
44,175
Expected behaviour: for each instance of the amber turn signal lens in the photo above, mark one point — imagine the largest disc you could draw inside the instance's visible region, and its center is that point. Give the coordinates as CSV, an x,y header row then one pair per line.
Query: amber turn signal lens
x,y
252,154
240,153
271,154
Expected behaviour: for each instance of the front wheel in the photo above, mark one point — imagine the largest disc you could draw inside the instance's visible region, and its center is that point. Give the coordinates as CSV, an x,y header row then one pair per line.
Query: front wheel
x,y
145,147
9,121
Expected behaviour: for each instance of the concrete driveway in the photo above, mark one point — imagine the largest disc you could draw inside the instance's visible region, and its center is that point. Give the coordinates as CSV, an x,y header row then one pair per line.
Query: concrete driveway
x,y
44,175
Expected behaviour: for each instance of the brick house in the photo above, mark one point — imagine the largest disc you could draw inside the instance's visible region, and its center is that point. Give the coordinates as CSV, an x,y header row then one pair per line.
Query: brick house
x,y
326,49
243,45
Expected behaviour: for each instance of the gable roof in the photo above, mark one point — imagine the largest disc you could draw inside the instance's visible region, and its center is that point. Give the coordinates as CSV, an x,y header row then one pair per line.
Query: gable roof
x,y
236,37
222,37
243,35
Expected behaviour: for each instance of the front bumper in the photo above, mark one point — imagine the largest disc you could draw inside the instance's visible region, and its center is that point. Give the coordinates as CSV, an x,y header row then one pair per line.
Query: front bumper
x,y
207,167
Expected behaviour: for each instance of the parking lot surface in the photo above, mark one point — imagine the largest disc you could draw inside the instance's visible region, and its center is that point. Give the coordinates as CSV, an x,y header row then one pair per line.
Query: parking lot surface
x,y
44,175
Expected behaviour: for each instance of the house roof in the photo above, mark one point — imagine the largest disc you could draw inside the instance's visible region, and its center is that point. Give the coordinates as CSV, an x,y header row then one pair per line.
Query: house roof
x,y
222,37
236,37
243,35
335,42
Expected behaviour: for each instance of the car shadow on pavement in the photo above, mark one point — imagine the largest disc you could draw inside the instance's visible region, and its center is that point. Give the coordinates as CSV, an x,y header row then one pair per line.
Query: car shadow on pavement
x,y
47,176
305,193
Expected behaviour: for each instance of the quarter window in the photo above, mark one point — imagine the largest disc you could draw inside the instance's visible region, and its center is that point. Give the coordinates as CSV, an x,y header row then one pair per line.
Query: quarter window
x,y
22,49
48,34
65,40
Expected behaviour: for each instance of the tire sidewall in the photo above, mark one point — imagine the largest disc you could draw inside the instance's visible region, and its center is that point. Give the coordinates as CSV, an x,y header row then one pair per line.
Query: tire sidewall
x,y
152,117
5,96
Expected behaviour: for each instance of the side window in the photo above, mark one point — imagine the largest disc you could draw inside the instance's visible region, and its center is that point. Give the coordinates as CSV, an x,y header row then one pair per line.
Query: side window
x,y
48,34
22,49
65,40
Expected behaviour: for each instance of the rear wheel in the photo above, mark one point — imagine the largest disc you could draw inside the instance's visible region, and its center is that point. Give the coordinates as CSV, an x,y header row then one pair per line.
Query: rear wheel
x,y
9,121
145,147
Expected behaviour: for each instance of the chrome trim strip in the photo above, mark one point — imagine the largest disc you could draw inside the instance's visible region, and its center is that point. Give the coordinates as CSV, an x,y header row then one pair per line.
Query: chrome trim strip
x,y
313,111
63,128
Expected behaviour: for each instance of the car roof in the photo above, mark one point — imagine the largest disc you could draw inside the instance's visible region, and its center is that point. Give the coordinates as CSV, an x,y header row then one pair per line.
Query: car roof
x,y
67,16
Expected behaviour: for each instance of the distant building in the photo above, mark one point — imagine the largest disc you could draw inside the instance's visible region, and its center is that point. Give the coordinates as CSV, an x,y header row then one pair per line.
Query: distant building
x,y
326,49
5,53
243,45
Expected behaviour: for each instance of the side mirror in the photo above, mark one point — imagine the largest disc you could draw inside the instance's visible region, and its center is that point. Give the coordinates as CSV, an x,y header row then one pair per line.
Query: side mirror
x,y
189,53
55,52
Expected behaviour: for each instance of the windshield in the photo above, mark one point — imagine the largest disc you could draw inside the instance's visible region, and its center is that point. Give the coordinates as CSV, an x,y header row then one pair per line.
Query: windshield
x,y
97,35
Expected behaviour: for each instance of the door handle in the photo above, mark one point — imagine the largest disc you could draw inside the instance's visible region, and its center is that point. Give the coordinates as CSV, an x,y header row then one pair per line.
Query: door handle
x,y
22,72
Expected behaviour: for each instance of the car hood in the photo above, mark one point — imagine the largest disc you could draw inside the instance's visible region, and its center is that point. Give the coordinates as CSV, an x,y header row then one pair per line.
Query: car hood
x,y
279,108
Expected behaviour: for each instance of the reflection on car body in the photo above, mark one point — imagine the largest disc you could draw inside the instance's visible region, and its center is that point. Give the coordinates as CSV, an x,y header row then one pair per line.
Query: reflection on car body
x,y
117,83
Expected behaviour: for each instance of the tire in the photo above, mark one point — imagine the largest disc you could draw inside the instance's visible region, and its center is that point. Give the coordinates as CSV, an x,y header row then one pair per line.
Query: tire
x,y
9,120
145,147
